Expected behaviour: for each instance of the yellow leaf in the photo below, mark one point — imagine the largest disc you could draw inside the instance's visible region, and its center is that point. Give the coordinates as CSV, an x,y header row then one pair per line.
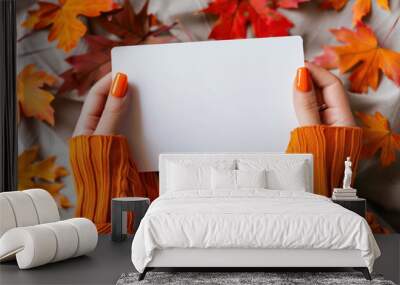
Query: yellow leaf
x,y
384,4
45,174
361,8
63,19
64,202
33,100
37,18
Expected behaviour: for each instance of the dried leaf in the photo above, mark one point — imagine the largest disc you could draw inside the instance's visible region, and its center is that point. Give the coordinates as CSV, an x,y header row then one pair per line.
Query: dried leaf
x,y
328,59
37,19
262,15
333,4
65,27
131,28
363,56
33,99
361,8
89,67
64,202
379,136
45,174
134,29
126,24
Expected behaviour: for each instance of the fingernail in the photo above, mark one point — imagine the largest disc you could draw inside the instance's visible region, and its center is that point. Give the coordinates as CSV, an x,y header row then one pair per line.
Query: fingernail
x,y
303,80
119,85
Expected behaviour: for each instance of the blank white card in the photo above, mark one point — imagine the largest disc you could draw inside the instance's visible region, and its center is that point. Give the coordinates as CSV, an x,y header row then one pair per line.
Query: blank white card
x,y
213,96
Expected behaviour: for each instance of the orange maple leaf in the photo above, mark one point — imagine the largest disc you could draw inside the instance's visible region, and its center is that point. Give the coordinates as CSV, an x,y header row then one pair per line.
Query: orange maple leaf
x,y
63,19
363,55
41,174
37,18
379,136
33,100
361,8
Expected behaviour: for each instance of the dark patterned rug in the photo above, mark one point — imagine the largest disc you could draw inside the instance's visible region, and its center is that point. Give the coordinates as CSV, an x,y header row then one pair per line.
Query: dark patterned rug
x,y
229,278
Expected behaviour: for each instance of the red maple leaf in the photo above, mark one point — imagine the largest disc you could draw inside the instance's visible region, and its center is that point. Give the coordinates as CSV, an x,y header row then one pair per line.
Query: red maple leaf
x,y
129,27
236,15
89,67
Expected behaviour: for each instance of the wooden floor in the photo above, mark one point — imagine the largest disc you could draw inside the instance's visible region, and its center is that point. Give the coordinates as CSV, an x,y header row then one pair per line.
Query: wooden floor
x,y
110,260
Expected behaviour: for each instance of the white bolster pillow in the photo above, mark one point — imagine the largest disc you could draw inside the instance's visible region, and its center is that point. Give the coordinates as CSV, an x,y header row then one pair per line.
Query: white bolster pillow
x,y
26,208
40,244
87,235
67,240
7,219
45,206
32,246
24,211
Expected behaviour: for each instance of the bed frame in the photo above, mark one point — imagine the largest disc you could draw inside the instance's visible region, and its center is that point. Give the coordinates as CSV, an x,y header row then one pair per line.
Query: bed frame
x,y
246,258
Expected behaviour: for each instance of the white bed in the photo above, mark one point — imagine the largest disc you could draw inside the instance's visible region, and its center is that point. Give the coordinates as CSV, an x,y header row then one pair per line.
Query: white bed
x,y
204,225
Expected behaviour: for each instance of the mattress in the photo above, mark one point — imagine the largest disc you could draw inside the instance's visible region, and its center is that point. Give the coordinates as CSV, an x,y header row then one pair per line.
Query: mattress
x,y
251,219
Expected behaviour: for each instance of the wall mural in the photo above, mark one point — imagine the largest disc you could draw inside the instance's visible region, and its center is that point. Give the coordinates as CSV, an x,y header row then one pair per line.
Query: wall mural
x,y
64,47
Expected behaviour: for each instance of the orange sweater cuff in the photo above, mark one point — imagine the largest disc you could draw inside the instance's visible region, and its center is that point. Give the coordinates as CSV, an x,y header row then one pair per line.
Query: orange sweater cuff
x,y
330,145
102,169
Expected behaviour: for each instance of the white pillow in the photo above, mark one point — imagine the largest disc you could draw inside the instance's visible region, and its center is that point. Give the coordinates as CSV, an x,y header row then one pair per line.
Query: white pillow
x,y
281,174
237,179
193,174
223,179
251,178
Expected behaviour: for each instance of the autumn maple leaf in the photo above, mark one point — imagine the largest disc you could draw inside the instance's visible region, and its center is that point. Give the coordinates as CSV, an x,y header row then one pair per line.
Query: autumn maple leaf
x,y
129,27
363,55
361,8
262,15
37,19
328,59
88,68
62,18
41,174
379,136
34,101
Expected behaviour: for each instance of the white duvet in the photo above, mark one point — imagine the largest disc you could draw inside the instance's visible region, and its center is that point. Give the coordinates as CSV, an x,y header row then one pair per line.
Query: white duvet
x,y
250,219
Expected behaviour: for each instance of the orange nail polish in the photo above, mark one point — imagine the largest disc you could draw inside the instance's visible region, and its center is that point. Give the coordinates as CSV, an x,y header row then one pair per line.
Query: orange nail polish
x,y
119,85
303,80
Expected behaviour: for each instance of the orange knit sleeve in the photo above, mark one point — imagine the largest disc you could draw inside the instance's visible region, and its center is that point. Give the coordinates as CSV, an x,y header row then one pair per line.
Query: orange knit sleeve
x,y
102,169
330,146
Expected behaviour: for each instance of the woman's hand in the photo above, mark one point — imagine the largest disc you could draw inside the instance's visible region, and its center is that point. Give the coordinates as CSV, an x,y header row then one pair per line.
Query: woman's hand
x,y
319,98
103,107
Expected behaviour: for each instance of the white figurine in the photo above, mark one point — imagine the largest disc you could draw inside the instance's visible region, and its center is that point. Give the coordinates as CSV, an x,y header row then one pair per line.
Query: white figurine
x,y
347,174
